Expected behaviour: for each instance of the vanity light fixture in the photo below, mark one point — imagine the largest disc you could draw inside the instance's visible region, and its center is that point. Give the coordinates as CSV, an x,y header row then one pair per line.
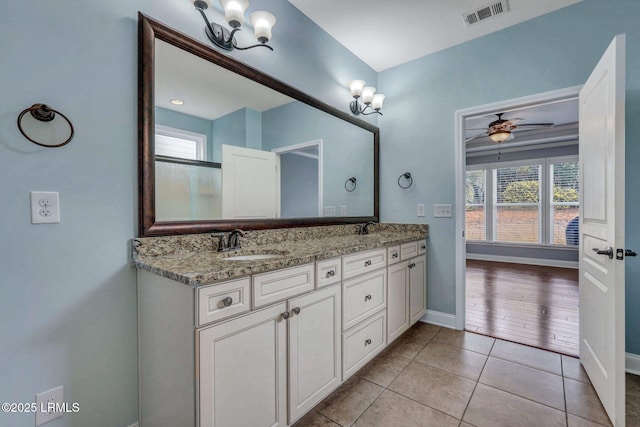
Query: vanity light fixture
x,y
234,14
370,99
176,101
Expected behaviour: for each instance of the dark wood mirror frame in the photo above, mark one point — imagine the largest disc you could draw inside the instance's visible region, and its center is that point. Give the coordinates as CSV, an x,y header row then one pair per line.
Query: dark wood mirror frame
x,y
148,31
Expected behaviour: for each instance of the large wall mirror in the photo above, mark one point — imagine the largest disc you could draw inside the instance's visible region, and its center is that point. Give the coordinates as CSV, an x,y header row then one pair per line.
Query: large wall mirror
x,y
223,146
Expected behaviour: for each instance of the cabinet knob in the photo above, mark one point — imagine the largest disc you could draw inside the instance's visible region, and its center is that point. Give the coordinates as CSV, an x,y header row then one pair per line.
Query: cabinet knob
x,y
413,264
367,297
367,342
423,247
367,263
285,315
331,273
394,255
296,310
227,301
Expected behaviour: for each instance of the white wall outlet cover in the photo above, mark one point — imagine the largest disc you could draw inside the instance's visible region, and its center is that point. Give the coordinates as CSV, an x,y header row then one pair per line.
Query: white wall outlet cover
x,y
343,210
45,207
49,405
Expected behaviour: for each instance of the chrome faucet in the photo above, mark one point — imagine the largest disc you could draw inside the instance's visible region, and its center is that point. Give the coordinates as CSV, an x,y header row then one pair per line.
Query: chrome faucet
x,y
364,229
233,241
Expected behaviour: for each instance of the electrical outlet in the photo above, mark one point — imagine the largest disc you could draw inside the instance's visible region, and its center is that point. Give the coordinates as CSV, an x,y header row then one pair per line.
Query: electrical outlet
x,y
442,211
45,207
49,405
420,209
343,210
329,211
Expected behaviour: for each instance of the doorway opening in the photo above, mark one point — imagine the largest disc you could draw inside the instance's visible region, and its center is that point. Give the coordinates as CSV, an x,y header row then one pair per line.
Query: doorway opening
x,y
517,253
300,179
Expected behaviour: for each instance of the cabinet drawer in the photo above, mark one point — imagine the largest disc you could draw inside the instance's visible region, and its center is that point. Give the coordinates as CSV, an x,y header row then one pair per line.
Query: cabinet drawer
x,y
328,272
393,254
282,284
422,247
363,343
408,250
362,262
363,296
219,301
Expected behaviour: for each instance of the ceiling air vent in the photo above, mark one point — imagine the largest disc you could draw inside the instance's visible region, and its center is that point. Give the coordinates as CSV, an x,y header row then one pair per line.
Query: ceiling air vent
x,y
485,12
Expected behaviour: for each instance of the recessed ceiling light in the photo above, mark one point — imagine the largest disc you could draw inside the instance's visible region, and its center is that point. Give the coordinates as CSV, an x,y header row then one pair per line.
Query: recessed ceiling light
x,y
177,101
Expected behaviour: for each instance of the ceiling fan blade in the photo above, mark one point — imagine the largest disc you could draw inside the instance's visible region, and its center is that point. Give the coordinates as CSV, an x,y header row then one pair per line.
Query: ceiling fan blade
x,y
518,119
484,129
536,124
476,136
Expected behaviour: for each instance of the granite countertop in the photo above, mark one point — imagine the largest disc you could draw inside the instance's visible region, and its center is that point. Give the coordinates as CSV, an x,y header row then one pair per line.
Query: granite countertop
x,y
192,260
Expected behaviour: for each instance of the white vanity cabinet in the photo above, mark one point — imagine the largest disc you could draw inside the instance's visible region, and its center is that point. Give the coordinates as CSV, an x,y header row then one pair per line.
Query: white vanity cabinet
x,y
263,350
242,370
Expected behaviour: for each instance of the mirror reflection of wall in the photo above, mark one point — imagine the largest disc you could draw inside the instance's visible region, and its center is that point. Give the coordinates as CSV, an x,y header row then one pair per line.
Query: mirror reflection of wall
x,y
200,107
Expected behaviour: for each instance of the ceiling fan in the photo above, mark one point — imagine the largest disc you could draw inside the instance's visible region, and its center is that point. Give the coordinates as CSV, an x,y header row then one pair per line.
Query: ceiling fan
x,y
500,130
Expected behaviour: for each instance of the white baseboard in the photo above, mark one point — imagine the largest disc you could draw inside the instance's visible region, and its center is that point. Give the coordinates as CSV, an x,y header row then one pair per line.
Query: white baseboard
x,y
519,260
632,363
441,319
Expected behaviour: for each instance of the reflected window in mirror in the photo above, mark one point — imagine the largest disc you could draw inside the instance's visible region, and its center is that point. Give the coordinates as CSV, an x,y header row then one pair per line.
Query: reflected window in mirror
x,y
180,143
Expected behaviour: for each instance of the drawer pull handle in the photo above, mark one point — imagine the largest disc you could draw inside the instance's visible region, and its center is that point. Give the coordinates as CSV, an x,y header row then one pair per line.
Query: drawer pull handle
x,y
367,297
367,263
331,273
423,247
296,310
395,255
227,301
367,342
285,315
413,264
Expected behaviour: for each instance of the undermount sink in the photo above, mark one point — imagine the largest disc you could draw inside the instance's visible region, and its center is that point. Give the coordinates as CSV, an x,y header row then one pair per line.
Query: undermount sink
x,y
253,257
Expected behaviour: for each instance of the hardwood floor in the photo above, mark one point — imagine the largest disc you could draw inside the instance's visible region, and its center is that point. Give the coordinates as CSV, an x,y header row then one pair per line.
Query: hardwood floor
x,y
528,304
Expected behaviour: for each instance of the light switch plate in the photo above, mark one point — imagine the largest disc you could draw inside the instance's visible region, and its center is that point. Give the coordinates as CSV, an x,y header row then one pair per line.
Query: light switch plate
x,y
45,207
420,209
329,211
343,210
442,211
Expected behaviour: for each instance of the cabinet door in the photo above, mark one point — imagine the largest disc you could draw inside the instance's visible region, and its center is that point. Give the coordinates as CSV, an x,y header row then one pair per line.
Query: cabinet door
x,y
242,371
315,367
397,300
418,288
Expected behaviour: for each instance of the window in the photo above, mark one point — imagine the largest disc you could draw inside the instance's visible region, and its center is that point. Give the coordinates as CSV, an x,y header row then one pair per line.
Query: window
x,y
179,143
527,202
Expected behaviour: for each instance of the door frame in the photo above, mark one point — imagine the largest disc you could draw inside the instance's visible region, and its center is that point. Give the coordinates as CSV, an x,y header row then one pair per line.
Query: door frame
x,y
291,148
460,178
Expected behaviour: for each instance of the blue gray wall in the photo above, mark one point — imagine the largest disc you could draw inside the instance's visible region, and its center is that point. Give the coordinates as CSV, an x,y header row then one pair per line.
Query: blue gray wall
x,y
298,186
67,292
551,52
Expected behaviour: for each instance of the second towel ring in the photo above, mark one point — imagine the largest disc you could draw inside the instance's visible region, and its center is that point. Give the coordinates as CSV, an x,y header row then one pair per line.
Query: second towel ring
x,y
44,113
407,176
353,185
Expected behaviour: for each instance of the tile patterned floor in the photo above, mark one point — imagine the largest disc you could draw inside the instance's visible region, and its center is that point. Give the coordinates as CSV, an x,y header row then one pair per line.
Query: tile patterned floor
x,y
438,377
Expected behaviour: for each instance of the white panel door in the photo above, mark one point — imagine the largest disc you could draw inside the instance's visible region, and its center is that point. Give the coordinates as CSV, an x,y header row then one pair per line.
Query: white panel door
x,y
602,142
397,300
417,288
315,349
249,183
242,371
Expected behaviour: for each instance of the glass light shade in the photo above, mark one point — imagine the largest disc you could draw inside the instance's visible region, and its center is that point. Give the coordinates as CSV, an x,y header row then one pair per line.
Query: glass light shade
x,y
356,87
367,94
262,23
500,136
378,98
234,11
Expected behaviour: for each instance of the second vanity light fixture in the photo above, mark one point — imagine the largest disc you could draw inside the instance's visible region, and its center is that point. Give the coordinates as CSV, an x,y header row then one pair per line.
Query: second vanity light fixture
x,y
370,99
234,14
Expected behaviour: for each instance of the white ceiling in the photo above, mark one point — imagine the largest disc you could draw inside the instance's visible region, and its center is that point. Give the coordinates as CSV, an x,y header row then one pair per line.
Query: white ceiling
x,y
385,33
208,91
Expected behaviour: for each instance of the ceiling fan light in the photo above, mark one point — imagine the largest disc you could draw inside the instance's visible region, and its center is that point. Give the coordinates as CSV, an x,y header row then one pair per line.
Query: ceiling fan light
x,y
500,136
234,11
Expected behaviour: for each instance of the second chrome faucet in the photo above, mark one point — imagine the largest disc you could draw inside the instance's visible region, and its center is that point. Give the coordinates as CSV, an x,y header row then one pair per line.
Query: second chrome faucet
x,y
232,241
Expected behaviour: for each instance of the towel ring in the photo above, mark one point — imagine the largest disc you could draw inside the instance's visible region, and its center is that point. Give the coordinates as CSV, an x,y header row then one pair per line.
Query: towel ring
x,y
407,176
44,113
353,185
